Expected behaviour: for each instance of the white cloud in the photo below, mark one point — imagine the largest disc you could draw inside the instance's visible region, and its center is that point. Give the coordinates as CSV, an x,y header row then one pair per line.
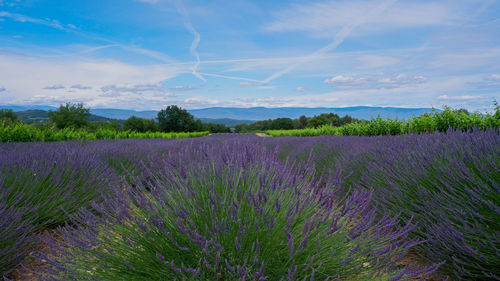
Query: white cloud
x,y
54,87
196,40
402,79
485,59
260,86
489,82
494,77
323,16
376,61
198,102
25,76
249,84
341,81
152,89
349,82
23,18
181,88
301,89
458,98
338,38
81,87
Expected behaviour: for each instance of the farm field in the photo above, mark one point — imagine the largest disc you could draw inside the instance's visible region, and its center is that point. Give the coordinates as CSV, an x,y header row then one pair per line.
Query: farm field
x,y
242,207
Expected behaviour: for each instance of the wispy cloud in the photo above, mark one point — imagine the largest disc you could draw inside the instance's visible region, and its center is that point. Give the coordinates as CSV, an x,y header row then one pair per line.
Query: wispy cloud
x,y
494,77
339,37
321,17
54,87
458,98
72,28
490,82
136,89
181,88
25,76
199,102
301,89
376,61
23,18
187,23
402,79
230,77
348,82
81,87
248,84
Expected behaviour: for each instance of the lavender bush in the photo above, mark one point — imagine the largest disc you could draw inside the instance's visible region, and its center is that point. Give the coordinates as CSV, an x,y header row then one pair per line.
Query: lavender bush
x,y
17,237
40,185
230,211
448,183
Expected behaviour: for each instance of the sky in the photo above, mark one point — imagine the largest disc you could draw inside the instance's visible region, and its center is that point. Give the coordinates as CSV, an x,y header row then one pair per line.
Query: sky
x,y
148,54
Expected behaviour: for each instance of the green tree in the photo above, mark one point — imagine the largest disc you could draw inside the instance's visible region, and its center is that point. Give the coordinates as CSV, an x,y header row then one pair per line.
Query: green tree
x,y
302,122
318,121
215,128
282,124
107,125
176,119
150,125
241,128
140,125
70,115
7,115
134,124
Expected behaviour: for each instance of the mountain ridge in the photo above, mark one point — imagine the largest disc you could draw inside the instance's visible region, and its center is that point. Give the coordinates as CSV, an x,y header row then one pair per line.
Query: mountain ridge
x,y
255,113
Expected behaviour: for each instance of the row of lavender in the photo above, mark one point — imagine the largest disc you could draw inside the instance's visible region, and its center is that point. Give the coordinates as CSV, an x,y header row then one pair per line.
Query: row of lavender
x,y
446,183
234,207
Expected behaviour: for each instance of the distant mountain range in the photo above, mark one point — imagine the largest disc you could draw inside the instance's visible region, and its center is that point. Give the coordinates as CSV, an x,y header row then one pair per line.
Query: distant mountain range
x,y
263,113
40,116
233,115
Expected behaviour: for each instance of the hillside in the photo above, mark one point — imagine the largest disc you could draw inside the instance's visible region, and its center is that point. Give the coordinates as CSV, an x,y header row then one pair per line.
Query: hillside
x,y
40,116
234,115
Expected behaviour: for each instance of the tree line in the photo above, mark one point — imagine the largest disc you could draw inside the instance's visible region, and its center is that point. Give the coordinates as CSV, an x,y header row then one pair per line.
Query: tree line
x,y
302,122
176,119
173,119
76,116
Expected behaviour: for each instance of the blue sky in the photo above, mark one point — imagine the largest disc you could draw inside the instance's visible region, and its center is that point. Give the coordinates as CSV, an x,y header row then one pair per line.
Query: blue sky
x,y
147,54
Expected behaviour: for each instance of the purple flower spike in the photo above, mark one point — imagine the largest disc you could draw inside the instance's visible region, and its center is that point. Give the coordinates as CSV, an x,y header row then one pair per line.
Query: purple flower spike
x,y
160,257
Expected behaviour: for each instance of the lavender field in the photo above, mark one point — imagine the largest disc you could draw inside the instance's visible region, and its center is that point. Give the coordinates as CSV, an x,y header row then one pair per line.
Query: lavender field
x,y
243,207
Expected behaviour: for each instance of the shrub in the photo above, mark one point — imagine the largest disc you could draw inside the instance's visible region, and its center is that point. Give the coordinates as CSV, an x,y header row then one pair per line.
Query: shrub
x,y
19,132
435,121
17,236
41,185
240,216
447,183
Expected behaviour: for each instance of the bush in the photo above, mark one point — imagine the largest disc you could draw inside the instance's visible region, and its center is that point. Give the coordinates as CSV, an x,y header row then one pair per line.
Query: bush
x,y
236,215
436,121
40,187
447,183
19,132
17,236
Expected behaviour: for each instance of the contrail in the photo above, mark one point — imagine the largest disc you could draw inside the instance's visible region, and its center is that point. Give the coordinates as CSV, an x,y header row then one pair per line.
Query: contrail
x,y
231,77
338,39
187,23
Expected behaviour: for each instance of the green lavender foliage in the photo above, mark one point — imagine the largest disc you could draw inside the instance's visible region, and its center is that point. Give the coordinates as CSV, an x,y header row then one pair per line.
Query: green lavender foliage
x,y
234,214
